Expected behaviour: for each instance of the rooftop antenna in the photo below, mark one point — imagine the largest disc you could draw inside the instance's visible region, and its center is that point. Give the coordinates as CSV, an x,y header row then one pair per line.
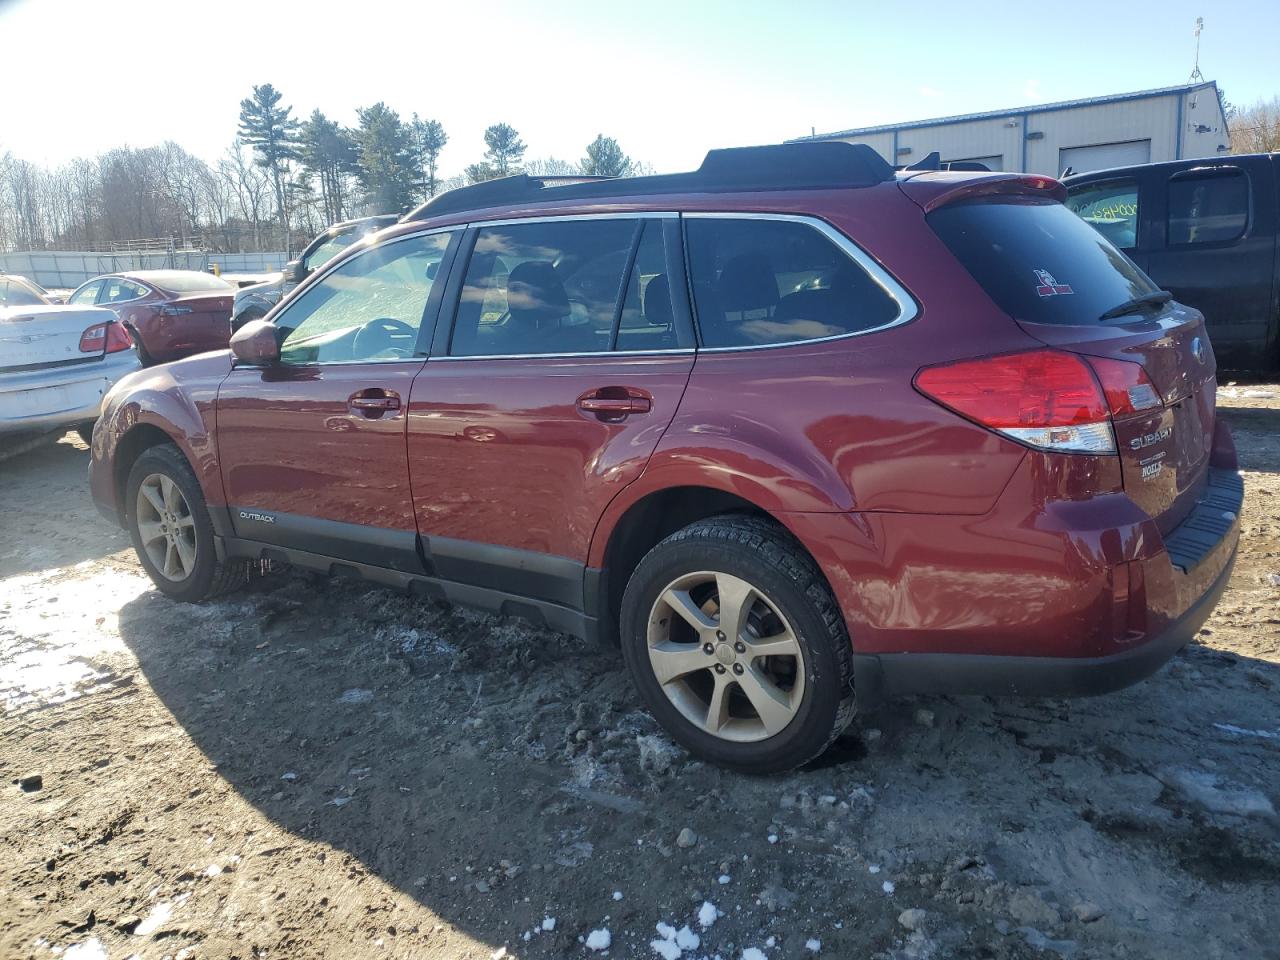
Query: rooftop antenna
x,y
1196,75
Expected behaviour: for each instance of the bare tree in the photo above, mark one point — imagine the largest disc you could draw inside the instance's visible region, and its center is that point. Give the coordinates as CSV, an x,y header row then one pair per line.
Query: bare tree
x,y
1256,129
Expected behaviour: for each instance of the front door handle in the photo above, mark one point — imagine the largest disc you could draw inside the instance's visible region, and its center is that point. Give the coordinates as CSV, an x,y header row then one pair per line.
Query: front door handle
x,y
373,402
615,404
612,404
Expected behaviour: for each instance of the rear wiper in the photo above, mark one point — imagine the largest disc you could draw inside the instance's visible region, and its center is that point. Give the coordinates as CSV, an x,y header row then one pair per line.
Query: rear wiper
x,y
1155,298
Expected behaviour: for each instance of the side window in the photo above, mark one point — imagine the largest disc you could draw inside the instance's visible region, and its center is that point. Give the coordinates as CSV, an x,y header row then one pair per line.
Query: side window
x,y
369,308
544,287
118,291
1111,208
1208,208
87,294
648,320
758,282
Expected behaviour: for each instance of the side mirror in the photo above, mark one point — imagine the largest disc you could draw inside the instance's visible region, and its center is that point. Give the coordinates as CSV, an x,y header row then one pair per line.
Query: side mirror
x,y
256,344
295,271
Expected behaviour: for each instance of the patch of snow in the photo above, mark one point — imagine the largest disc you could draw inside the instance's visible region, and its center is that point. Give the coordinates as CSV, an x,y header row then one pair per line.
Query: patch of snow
x,y
772,941
338,802
1232,728
617,894
707,914
753,953
686,939
887,886
665,930
290,775
159,916
873,868
599,940
724,878
813,945
666,949
1257,394
212,870
773,838
91,949
1218,795
355,695
548,924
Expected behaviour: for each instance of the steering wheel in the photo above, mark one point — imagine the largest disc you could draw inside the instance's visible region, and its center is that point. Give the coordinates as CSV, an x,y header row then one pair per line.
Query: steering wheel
x,y
381,334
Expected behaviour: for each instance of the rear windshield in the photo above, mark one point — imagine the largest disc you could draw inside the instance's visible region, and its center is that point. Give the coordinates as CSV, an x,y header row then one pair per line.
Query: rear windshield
x,y
191,282
1039,261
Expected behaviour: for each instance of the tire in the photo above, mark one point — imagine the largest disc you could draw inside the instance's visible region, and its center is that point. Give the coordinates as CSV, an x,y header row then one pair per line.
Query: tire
x,y
808,696
195,572
143,355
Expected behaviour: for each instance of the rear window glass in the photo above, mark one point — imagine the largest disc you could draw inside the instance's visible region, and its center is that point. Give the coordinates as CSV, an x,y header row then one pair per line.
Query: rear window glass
x,y
758,282
1038,261
192,282
16,294
1111,208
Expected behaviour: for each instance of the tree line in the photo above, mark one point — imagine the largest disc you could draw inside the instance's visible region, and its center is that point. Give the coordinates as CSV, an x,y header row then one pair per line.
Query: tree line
x,y
281,181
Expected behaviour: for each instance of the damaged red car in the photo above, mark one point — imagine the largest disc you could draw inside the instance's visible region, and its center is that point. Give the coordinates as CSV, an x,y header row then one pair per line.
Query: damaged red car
x,y
795,431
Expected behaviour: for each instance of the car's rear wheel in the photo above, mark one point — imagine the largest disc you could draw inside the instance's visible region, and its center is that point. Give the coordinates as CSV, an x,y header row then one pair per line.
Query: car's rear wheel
x,y
171,530
737,646
144,356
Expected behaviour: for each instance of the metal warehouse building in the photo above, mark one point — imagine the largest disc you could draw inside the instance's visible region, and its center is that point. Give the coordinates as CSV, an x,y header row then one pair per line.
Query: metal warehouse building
x,y
1171,123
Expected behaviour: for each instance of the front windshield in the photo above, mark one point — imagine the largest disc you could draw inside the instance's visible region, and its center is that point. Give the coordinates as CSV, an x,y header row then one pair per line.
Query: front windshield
x,y
334,246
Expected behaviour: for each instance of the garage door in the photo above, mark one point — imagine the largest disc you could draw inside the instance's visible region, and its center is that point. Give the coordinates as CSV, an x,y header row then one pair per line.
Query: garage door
x,y
1102,156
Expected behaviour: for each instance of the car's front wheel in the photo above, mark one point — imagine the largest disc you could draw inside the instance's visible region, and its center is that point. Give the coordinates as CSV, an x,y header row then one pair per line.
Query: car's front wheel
x,y
737,646
171,530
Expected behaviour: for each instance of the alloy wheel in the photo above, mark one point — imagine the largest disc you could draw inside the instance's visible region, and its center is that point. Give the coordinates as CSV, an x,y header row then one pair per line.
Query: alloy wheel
x,y
166,527
725,656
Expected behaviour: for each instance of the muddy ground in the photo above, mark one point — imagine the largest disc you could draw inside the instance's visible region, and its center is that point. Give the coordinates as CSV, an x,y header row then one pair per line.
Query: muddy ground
x,y
323,769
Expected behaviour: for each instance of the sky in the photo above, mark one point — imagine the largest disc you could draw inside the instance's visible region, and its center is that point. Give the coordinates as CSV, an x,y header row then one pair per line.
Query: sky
x,y
668,80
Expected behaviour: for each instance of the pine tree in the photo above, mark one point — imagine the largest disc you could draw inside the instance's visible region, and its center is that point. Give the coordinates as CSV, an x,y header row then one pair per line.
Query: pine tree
x,y
386,158
505,149
605,159
428,139
330,155
271,130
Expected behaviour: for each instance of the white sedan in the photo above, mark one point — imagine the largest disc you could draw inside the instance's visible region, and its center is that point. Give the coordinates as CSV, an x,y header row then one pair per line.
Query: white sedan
x,y
56,364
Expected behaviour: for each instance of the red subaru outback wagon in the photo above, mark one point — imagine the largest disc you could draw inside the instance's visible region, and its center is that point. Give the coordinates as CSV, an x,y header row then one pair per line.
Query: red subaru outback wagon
x,y
794,430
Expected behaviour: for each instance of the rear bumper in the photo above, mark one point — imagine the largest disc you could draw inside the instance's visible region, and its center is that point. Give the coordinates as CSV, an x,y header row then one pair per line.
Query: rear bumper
x,y
889,675
60,396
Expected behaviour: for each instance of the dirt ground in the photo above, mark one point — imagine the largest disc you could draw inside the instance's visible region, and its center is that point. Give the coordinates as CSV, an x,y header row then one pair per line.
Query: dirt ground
x,y
324,769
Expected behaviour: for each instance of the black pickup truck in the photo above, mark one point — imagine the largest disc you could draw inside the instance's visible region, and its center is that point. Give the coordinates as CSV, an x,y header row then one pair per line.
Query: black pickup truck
x,y
1206,231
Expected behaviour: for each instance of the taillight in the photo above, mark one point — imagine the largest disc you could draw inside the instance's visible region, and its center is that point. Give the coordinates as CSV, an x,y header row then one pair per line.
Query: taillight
x,y
109,337
94,340
1126,386
1043,398
118,338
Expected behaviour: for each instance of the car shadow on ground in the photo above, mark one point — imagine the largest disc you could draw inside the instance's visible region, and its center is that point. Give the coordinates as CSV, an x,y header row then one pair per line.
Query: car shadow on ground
x,y
1257,434
48,519
498,774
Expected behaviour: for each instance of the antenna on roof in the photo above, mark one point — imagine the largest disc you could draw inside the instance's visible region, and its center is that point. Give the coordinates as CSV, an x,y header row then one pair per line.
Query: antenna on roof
x,y
1196,75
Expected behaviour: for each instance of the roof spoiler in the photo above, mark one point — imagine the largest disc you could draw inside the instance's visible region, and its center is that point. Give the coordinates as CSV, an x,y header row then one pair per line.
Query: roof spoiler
x,y
931,193
783,166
